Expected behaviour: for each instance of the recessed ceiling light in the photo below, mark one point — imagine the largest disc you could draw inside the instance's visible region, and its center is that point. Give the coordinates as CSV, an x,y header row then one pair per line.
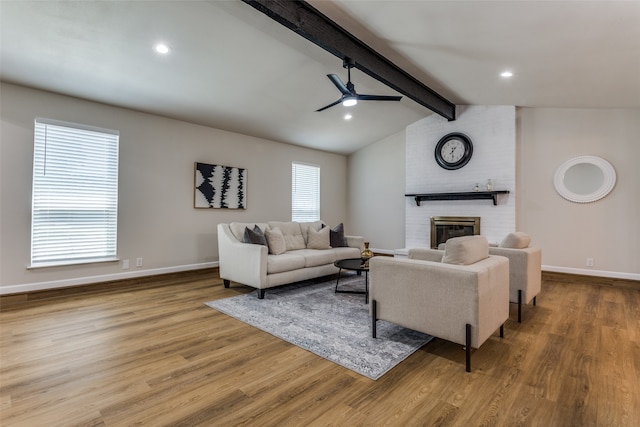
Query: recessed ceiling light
x,y
506,74
348,116
161,48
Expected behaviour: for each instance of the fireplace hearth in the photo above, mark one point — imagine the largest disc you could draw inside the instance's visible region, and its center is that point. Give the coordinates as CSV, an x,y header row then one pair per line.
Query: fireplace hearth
x,y
444,228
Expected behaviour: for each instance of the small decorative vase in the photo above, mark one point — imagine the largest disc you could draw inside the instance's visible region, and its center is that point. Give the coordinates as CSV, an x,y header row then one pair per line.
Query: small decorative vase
x,y
366,253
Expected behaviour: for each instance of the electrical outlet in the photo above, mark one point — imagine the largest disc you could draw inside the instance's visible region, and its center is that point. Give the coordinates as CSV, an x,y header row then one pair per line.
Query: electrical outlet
x,y
138,262
125,264
589,262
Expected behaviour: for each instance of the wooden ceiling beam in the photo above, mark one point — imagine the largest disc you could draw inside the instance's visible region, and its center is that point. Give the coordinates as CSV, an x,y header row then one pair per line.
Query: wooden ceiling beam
x,y
305,20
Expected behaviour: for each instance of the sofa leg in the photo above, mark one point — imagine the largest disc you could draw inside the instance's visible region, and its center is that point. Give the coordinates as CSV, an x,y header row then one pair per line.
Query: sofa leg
x,y
374,307
468,347
261,293
226,283
519,305
534,300
502,331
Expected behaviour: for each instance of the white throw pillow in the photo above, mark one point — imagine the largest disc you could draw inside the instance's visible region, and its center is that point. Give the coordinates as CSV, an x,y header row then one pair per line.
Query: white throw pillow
x,y
318,239
275,241
517,240
465,250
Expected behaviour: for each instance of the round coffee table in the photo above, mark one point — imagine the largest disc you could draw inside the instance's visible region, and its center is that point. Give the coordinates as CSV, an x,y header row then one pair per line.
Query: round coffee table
x,y
354,264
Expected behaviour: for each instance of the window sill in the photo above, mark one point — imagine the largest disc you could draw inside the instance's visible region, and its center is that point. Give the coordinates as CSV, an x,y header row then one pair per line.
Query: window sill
x,y
69,263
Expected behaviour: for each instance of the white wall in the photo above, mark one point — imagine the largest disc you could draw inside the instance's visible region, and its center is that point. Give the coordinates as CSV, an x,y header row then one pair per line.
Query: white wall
x,y
607,230
375,174
157,220
492,130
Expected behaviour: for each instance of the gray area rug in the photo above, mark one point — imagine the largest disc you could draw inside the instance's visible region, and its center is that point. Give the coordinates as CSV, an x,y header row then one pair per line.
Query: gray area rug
x,y
334,326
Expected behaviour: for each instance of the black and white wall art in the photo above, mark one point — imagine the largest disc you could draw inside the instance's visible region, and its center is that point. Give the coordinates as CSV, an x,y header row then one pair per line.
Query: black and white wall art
x,y
220,187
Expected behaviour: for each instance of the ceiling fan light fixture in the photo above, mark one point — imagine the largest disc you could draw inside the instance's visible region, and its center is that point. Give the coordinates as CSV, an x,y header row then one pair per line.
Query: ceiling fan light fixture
x,y
161,48
350,101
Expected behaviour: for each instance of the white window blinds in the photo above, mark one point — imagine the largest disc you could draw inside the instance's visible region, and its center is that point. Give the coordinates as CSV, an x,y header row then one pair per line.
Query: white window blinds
x,y
305,192
75,194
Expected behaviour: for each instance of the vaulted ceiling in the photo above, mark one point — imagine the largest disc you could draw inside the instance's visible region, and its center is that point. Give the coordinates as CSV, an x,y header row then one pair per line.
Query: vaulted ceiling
x,y
233,68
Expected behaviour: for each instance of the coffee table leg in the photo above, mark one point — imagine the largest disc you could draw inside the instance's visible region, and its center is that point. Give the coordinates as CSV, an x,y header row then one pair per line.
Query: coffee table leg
x,y
337,281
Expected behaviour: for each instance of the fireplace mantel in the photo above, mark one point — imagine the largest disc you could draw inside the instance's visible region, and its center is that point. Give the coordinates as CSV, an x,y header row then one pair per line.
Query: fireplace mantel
x,y
467,195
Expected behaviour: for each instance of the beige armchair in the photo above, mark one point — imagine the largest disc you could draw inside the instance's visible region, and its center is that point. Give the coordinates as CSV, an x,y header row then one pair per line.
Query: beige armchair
x,y
460,295
525,268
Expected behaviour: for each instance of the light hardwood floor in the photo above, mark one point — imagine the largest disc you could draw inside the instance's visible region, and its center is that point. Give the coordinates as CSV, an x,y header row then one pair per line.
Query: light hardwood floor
x,y
155,355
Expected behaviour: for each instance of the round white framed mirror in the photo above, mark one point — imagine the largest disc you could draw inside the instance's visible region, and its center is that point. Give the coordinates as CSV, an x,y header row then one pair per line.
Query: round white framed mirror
x,y
584,179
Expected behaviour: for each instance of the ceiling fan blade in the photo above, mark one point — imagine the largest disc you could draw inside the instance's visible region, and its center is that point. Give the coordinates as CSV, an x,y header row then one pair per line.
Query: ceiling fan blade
x,y
330,105
378,98
341,86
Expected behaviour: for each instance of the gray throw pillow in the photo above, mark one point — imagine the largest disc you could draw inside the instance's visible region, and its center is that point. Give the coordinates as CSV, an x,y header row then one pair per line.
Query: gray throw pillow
x,y
255,236
336,236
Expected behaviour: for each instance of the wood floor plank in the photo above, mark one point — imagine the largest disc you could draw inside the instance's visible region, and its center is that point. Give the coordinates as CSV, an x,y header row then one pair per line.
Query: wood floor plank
x,y
152,353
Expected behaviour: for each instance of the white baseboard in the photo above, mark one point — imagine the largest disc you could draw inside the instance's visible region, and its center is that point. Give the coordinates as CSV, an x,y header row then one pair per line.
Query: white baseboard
x,y
40,286
590,272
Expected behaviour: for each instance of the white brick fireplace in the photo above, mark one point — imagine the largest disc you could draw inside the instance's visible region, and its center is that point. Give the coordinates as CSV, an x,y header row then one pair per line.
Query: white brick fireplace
x,y
492,130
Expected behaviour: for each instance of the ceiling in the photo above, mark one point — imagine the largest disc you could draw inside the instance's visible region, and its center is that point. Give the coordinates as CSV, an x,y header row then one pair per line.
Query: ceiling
x,y
233,68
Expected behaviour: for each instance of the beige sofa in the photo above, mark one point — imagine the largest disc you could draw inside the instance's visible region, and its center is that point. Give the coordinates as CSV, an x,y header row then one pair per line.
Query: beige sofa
x,y
460,294
294,251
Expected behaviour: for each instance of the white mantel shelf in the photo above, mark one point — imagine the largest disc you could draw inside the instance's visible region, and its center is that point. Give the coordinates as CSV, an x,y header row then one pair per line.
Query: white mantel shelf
x,y
466,195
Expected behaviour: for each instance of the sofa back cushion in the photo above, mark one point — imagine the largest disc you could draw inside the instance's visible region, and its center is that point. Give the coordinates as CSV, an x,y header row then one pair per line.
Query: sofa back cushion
x,y
517,240
292,234
466,250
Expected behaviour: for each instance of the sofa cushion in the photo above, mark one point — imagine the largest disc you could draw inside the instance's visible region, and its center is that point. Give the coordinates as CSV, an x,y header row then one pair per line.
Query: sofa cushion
x,y
318,239
336,236
275,241
465,250
517,240
284,262
255,236
315,257
346,252
292,234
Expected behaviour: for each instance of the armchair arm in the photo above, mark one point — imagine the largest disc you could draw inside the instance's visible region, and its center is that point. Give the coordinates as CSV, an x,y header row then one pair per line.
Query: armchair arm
x,y
525,271
241,262
426,254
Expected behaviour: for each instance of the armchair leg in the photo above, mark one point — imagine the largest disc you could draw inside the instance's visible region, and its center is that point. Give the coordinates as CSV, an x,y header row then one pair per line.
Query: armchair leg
x,y
502,331
261,293
226,283
534,300
374,307
519,305
468,347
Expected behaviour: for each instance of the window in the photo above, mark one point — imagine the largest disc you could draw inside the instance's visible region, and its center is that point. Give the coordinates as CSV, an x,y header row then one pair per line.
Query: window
x,y
75,194
305,192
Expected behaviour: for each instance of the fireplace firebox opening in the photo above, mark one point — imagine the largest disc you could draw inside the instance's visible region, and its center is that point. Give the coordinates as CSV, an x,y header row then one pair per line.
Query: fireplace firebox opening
x,y
444,228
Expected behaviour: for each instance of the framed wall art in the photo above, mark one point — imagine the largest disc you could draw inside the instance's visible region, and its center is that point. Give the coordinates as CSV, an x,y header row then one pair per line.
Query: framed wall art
x,y
220,187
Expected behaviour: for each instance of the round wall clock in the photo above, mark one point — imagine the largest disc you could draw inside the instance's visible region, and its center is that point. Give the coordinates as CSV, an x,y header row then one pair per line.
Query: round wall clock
x,y
453,151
